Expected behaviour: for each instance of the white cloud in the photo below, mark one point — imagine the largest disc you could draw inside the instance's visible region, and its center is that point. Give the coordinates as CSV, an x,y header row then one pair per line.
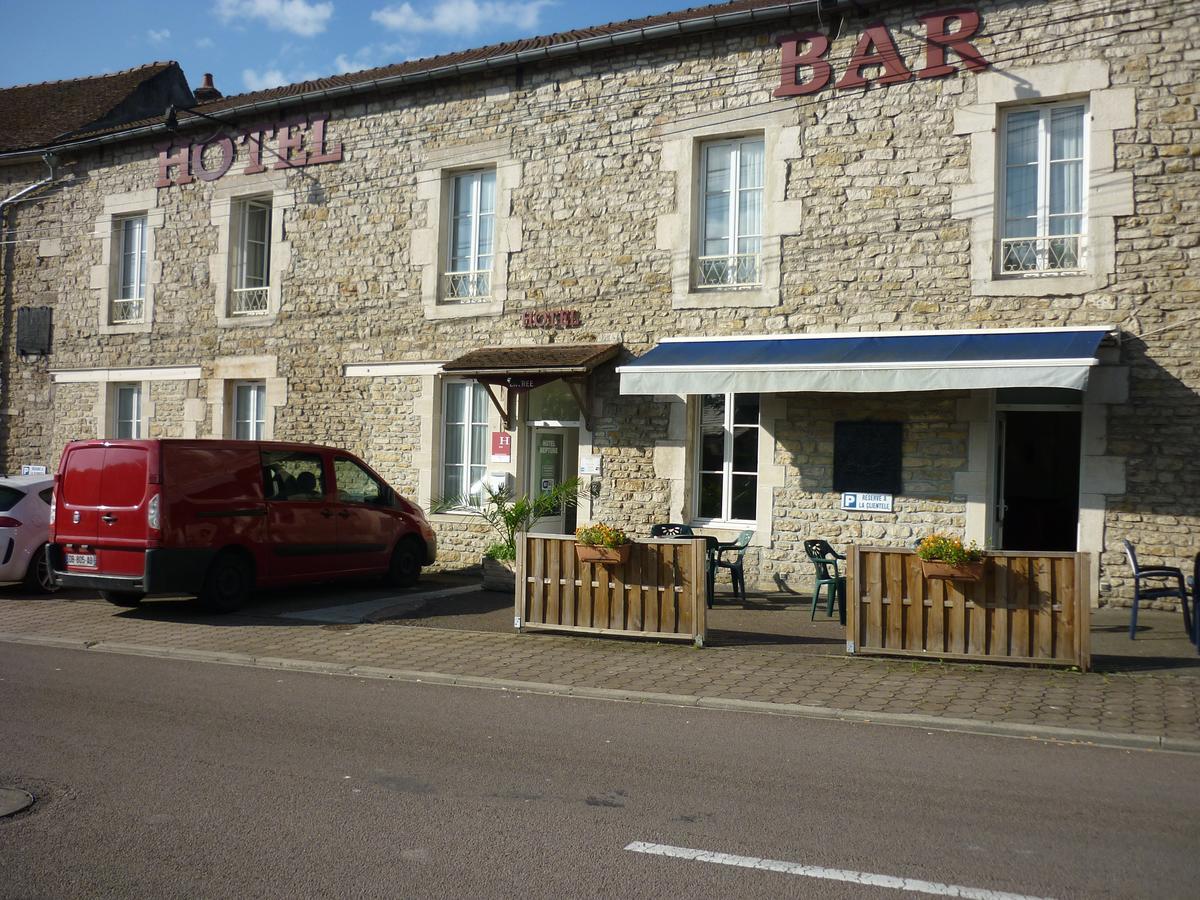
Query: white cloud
x,y
372,55
205,43
462,16
297,16
157,37
260,81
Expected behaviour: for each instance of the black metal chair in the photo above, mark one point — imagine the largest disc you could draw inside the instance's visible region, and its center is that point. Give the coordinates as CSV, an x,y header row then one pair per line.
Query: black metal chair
x,y
1156,575
736,573
671,529
825,560
1194,581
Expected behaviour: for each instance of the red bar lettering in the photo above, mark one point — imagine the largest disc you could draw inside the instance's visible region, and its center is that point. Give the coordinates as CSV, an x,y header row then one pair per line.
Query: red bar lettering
x,y
875,48
818,43
938,40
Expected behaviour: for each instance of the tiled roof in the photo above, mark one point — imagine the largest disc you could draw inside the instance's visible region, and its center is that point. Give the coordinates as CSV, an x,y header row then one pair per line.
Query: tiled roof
x,y
449,60
500,360
37,115
446,63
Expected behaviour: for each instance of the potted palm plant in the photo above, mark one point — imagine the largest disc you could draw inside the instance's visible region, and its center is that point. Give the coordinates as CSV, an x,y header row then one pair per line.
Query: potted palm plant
x,y
508,514
600,543
944,556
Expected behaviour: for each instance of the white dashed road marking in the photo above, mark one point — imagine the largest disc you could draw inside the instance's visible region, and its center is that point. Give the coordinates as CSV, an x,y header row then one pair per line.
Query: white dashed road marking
x,y
791,868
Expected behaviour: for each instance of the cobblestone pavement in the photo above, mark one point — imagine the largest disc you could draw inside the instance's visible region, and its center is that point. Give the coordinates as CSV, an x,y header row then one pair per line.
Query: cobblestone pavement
x,y
1164,706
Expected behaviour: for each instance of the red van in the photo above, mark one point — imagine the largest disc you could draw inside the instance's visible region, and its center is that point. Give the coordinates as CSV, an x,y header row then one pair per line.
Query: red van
x,y
218,518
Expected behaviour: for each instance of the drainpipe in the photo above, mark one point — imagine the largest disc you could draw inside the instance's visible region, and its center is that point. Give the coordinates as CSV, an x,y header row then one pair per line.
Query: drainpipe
x,y
6,296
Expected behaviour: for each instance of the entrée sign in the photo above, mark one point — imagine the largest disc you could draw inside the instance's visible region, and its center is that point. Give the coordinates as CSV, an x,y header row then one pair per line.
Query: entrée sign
x,y
877,49
299,142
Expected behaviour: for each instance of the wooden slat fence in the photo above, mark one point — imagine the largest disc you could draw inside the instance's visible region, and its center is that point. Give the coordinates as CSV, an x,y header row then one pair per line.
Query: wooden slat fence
x,y
659,593
1028,608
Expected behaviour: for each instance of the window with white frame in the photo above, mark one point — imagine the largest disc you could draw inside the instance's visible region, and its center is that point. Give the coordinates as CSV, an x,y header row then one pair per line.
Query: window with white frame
x,y
249,410
127,301
727,464
471,236
127,411
251,256
464,442
1044,189
731,214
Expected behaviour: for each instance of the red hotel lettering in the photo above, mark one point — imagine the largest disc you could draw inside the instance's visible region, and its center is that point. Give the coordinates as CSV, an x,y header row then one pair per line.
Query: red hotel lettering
x,y
299,142
877,49
227,153
556,318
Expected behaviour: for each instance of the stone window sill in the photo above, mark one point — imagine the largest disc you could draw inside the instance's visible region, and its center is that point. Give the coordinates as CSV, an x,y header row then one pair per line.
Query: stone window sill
x,y
464,310
1038,285
747,297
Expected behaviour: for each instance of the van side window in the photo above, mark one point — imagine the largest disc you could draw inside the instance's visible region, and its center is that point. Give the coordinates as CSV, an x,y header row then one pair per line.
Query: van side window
x,y
293,475
355,484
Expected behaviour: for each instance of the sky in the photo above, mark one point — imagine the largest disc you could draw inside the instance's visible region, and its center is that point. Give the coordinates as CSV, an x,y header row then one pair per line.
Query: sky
x,y
250,45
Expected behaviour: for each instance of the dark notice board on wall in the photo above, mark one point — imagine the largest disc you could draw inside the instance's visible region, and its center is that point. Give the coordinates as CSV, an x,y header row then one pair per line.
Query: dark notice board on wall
x,y
866,457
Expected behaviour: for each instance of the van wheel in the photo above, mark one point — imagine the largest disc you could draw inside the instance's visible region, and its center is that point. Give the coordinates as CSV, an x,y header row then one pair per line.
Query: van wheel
x,y
228,584
122,598
38,576
405,567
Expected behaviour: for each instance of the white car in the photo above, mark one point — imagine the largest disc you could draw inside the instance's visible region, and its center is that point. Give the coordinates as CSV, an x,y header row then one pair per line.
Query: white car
x,y
24,530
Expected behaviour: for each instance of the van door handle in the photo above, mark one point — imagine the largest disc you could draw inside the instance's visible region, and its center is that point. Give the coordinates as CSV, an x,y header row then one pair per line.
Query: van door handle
x,y
108,518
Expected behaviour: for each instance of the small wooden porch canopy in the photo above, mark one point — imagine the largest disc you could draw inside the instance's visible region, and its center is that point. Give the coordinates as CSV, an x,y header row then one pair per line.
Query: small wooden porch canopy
x,y
523,368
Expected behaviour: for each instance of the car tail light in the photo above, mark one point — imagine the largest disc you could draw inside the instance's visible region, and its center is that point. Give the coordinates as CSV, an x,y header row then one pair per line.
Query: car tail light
x,y
9,522
53,506
153,519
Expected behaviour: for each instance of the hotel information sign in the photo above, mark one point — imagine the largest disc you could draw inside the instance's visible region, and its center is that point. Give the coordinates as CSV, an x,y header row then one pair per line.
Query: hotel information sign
x,y
860,502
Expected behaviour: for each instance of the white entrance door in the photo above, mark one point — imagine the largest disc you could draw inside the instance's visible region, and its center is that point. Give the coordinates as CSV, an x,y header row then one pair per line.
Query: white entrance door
x,y
550,464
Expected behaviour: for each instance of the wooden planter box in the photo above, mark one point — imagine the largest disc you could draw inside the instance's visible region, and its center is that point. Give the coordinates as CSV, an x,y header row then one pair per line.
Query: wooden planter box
x,y
657,593
1029,607
932,568
610,556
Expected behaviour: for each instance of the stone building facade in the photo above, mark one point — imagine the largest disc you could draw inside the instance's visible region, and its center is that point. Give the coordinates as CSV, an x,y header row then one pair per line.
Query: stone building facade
x,y
311,277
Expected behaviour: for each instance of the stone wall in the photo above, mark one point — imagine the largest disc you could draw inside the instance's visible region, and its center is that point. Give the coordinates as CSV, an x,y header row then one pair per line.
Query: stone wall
x,y
878,246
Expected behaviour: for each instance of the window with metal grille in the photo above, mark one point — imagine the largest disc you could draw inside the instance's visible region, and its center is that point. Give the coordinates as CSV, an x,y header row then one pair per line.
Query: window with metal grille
x,y
731,214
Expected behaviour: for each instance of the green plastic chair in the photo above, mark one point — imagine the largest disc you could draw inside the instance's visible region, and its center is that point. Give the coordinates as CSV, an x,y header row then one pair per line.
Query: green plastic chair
x,y
825,560
736,574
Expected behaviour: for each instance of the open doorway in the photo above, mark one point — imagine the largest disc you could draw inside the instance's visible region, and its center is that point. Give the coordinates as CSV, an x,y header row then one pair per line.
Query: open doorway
x,y
1037,498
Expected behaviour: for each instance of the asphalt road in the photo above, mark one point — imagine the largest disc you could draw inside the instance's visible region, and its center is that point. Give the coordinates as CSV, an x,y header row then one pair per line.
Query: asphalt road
x,y
161,778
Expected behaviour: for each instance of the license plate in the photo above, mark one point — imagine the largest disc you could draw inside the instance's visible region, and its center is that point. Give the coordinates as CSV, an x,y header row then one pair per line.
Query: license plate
x,y
82,560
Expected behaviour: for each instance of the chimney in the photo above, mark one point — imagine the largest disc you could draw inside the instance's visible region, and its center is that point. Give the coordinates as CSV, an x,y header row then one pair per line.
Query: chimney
x,y
206,93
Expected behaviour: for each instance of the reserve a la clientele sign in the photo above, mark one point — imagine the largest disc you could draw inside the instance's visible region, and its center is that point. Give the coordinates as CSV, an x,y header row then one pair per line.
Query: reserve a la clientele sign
x,y
806,70
288,144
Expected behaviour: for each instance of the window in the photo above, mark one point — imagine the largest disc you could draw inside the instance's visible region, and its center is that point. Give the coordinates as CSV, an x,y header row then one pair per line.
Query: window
x,y
1044,189
131,269
472,237
127,403
249,408
465,442
731,214
251,256
728,458
355,484
293,476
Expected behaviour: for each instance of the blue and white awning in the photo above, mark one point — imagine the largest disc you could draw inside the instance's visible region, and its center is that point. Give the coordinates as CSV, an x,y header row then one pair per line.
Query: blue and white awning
x,y
868,362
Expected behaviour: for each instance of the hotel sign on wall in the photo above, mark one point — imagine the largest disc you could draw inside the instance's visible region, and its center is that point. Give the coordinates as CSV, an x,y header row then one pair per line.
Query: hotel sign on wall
x,y
288,144
806,70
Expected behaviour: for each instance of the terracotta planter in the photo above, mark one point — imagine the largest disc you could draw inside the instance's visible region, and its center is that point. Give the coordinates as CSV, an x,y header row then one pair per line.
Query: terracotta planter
x,y
966,572
499,575
605,556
